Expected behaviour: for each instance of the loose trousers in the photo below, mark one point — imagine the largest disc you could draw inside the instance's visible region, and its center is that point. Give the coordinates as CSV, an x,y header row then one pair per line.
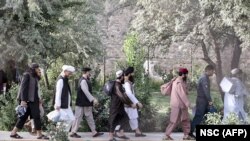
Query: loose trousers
x,y
117,119
178,115
34,112
88,113
133,124
201,110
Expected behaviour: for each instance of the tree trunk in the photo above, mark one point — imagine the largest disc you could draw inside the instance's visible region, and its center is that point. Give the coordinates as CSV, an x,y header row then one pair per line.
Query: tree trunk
x,y
217,65
237,50
218,70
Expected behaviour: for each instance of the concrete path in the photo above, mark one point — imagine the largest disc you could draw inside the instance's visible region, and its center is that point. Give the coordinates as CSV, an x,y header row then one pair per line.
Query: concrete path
x,y
4,136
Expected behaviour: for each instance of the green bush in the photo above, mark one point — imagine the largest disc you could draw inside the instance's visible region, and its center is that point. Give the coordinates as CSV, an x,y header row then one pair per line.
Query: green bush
x,y
57,132
213,118
232,119
148,114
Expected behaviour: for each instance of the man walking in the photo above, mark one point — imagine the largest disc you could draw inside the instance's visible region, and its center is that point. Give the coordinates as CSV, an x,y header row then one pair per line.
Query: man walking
x,y
84,105
132,112
29,98
62,99
117,114
203,99
179,104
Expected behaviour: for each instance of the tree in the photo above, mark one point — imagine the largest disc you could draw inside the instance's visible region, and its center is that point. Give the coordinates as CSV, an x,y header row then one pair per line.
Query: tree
x,y
153,22
203,23
235,14
44,31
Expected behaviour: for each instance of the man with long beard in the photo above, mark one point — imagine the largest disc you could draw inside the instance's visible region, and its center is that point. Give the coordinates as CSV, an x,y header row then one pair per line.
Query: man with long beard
x,y
179,104
130,92
29,98
117,114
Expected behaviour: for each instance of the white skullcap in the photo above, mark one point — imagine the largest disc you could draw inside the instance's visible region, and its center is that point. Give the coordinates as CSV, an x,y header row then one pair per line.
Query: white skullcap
x,y
235,71
119,73
68,68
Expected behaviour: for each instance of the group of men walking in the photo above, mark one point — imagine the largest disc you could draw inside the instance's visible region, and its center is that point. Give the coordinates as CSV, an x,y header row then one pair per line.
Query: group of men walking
x,y
122,108
124,104
180,103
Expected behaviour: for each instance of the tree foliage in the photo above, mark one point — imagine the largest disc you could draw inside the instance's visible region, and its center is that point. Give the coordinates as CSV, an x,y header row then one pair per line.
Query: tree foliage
x,y
46,30
210,25
153,22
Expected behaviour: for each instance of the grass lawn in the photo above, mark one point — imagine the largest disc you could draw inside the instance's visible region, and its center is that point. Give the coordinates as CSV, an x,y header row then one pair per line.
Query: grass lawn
x,y
162,102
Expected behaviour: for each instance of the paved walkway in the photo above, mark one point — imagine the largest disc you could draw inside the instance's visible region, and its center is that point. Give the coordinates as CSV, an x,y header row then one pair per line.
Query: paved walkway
x,y
4,136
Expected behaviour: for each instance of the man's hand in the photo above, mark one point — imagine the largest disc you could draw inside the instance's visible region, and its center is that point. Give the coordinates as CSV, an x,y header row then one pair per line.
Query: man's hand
x,y
139,105
95,102
133,106
24,103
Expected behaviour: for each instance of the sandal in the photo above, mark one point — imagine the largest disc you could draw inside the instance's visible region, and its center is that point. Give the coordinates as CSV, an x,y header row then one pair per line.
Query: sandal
x,y
16,136
123,137
188,138
33,133
43,137
140,135
98,134
192,135
167,138
75,135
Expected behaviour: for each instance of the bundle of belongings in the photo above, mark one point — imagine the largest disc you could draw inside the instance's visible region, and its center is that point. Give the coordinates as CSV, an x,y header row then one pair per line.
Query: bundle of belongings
x,y
20,111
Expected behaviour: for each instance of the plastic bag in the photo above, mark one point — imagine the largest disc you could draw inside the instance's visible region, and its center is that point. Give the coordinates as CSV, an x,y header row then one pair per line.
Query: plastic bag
x,y
58,116
54,116
20,111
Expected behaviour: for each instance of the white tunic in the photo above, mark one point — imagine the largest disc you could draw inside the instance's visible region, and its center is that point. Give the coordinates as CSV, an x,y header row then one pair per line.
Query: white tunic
x,y
129,89
234,103
59,87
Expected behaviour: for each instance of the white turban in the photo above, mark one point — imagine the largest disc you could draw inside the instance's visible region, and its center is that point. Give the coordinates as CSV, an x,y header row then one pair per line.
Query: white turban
x,y
68,68
119,73
235,71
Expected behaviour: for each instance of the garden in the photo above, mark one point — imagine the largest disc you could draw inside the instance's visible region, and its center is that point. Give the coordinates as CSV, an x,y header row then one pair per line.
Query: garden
x,y
156,37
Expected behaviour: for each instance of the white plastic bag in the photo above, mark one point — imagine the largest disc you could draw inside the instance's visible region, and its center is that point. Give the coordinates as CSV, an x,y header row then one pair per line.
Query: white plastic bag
x,y
226,85
64,116
58,116
54,116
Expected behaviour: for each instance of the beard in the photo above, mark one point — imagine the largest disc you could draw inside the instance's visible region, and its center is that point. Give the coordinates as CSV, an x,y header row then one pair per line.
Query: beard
x,y
122,81
184,78
131,79
88,77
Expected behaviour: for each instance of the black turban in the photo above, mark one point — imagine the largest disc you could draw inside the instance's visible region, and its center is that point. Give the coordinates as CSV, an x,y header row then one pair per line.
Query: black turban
x,y
85,69
129,70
